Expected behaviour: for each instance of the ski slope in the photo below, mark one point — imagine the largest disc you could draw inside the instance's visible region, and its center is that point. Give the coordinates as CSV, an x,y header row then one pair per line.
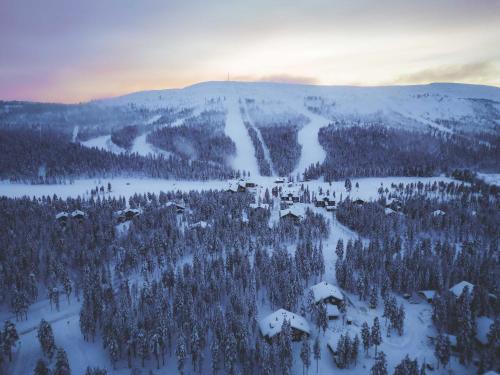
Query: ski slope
x,y
245,159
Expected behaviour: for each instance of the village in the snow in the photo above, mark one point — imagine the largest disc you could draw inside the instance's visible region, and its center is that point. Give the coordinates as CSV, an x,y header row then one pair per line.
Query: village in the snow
x,y
252,229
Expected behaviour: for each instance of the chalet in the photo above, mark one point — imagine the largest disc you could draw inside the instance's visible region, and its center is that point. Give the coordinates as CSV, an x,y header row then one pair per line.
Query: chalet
x,y
62,216
427,295
232,189
331,206
272,324
394,204
77,214
127,214
358,202
179,208
327,293
259,206
290,197
291,214
199,224
242,187
389,211
458,289
250,184
438,213
332,312
279,180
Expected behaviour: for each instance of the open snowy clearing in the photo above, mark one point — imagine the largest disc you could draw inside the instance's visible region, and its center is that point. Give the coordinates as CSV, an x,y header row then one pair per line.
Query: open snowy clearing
x,y
126,187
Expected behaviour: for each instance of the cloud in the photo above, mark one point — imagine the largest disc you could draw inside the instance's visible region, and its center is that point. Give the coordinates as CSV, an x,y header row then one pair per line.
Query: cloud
x,y
279,78
479,72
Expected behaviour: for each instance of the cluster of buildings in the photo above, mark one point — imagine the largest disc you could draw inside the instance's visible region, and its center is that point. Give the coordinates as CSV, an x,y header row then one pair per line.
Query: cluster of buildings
x,y
323,292
63,216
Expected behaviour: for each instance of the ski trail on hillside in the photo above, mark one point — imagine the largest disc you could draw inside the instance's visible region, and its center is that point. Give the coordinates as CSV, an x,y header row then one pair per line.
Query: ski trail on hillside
x,y
267,155
245,159
103,142
312,152
142,147
75,133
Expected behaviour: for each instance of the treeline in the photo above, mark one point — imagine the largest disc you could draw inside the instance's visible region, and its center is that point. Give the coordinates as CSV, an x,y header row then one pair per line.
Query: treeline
x,y
199,138
284,149
50,158
380,151
124,137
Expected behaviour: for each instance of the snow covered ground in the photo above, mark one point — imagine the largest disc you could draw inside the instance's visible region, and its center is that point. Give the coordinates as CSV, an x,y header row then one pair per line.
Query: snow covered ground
x,y
65,323
490,178
103,142
127,187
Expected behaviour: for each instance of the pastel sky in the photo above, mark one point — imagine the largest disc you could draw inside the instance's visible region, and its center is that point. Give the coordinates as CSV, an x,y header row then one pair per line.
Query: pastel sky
x,y
71,51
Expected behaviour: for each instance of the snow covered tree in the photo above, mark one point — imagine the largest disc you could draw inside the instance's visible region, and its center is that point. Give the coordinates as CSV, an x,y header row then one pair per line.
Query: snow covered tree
x,y
321,317
442,349
373,298
62,364
95,371
41,368
366,336
305,354
114,351
285,347
348,185
407,367
9,338
181,353
376,336
380,365
466,327
355,350
317,352
46,338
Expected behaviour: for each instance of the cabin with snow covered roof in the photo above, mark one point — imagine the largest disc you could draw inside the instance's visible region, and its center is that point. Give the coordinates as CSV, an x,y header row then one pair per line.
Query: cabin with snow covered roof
x,y
327,293
438,213
259,206
358,202
427,295
291,214
199,224
127,214
290,197
179,208
77,214
62,216
272,325
279,180
458,288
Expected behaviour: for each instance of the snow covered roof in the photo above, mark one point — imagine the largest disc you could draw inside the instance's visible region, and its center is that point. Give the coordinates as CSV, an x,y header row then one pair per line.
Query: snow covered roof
x,y
428,294
332,310
483,324
280,180
389,211
259,205
457,289
271,324
77,213
292,211
438,213
177,205
200,224
324,290
62,215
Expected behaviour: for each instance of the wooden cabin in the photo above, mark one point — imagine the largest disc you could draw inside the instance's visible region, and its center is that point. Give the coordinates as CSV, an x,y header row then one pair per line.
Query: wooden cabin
x,y
272,324
327,293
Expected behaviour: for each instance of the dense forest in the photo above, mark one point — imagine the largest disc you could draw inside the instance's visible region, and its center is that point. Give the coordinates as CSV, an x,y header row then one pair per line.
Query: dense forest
x,y
50,158
379,151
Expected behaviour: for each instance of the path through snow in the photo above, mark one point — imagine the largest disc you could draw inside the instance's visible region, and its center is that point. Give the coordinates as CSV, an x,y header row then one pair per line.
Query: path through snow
x,y
245,159
312,152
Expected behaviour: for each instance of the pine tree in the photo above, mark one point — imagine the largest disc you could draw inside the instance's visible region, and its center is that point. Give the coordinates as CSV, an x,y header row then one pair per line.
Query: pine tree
x,y
366,336
317,353
305,354
95,371
339,250
286,354
380,365
322,318
442,349
376,336
466,329
373,298
46,338
181,353
406,367
114,351
355,350
9,338
41,368
62,364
